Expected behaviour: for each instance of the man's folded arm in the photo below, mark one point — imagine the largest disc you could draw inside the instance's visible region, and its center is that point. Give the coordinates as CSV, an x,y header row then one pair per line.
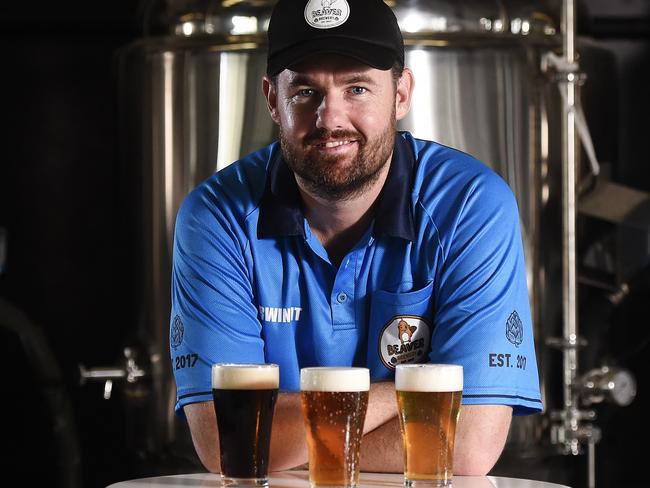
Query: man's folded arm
x,y
288,441
480,437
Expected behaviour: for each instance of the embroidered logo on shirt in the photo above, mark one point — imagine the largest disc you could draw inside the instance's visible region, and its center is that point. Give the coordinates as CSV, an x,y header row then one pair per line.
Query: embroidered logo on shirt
x,y
177,332
404,339
279,314
514,329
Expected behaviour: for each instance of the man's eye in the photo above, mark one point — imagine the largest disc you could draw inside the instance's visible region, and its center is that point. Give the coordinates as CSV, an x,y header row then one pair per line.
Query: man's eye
x,y
358,90
306,92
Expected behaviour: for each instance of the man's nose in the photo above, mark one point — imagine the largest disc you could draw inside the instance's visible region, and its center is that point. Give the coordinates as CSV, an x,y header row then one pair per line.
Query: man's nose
x,y
331,113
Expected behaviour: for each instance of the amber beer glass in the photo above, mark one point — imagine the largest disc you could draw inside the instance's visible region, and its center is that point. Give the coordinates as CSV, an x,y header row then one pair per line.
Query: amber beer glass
x,y
244,400
428,399
334,403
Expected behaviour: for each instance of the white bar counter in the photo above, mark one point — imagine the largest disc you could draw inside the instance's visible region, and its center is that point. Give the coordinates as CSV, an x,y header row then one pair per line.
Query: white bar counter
x,y
300,479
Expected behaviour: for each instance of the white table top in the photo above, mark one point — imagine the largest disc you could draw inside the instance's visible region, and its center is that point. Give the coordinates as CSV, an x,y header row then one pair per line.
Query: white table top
x,y
300,479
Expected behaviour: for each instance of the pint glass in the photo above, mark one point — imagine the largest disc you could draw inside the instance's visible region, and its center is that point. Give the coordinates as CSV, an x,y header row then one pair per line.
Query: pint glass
x,y
244,399
334,403
428,399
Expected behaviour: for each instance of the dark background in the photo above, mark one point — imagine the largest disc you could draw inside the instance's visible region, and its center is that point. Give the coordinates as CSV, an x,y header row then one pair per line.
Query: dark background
x,y
61,205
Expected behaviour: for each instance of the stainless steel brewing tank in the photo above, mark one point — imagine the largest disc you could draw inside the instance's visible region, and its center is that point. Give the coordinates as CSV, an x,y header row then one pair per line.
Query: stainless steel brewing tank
x,y
192,103
189,106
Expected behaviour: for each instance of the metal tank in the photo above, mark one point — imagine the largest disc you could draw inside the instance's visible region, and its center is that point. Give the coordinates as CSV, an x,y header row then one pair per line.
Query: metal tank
x,y
191,103
480,88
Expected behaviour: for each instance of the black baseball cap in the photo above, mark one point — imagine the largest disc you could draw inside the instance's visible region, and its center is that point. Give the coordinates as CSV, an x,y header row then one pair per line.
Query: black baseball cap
x,y
366,30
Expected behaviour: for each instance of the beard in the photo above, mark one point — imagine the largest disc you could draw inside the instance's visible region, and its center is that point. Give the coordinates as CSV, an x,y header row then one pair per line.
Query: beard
x,y
330,177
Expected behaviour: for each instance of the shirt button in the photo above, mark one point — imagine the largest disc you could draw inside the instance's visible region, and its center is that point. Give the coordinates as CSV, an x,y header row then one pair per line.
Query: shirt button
x,y
341,297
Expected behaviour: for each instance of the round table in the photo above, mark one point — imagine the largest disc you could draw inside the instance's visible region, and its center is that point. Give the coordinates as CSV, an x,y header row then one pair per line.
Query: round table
x,y
300,479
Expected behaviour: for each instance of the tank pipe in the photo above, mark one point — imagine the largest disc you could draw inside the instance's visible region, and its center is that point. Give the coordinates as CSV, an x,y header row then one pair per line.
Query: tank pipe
x,y
569,207
591,463
571,431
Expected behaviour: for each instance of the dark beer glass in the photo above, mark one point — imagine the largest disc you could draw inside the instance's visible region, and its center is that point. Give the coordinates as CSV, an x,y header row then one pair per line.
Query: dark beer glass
x,y
428,399
244,399
334,403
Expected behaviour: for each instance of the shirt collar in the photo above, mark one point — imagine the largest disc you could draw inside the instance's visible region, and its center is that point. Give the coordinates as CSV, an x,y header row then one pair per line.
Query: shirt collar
x,y
281,207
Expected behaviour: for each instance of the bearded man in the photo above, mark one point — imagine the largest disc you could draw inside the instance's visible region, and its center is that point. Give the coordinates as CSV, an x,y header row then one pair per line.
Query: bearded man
x,y
312,251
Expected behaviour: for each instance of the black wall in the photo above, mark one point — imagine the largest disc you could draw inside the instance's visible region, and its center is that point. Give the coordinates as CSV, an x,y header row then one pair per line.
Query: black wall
x,y
619,334
58,202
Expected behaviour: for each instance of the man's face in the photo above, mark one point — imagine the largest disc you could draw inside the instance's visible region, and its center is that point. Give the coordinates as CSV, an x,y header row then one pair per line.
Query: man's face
x,y
337,121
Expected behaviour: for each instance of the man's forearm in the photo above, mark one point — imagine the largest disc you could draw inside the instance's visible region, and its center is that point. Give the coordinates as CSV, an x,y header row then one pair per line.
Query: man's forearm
x,y
382,449
382,406
480,436
288,443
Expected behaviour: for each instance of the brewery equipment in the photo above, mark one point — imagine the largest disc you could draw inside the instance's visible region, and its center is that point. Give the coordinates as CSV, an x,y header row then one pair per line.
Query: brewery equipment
x,y
191,103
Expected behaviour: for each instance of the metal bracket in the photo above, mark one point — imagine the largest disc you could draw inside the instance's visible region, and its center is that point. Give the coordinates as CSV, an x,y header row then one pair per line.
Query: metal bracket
x,y
129,371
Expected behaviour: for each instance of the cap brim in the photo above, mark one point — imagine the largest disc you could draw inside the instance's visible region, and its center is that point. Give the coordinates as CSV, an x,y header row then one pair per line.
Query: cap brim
x,y
376,56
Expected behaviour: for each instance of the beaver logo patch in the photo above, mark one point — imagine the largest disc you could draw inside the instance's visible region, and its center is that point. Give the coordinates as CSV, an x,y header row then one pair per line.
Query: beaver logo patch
x,y
404,339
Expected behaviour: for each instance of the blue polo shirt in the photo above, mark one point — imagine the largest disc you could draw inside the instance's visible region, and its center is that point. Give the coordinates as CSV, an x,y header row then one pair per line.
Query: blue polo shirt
x,y
439,276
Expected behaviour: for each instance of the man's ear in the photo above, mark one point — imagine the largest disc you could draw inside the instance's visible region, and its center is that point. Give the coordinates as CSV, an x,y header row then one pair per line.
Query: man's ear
x,y
405,86
270,93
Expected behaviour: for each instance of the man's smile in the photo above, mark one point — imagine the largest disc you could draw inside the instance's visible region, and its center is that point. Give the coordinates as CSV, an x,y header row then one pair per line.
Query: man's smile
x,y
334,147
334,144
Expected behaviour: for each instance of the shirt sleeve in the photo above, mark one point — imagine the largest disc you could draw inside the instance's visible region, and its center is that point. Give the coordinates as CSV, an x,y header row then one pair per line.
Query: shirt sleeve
x,y
213,317
482,318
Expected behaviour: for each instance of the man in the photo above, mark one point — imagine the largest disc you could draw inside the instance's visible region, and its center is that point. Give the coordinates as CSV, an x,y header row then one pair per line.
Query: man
x,y
350,244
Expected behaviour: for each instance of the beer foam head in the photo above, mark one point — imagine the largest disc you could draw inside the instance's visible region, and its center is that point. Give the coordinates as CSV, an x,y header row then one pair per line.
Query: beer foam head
x,y
334,379
245,376
428,377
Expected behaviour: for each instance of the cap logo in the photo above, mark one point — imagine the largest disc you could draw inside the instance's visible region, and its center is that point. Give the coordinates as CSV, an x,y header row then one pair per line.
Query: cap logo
x,y
326,14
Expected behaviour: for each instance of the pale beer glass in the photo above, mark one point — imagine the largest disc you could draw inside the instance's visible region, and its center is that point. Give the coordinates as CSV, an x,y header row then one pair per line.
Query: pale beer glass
x,y
428,399
334,403
244,400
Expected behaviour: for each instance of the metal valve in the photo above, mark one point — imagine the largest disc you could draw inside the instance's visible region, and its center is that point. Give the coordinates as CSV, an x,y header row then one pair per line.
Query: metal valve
x,y
129,371
614,385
